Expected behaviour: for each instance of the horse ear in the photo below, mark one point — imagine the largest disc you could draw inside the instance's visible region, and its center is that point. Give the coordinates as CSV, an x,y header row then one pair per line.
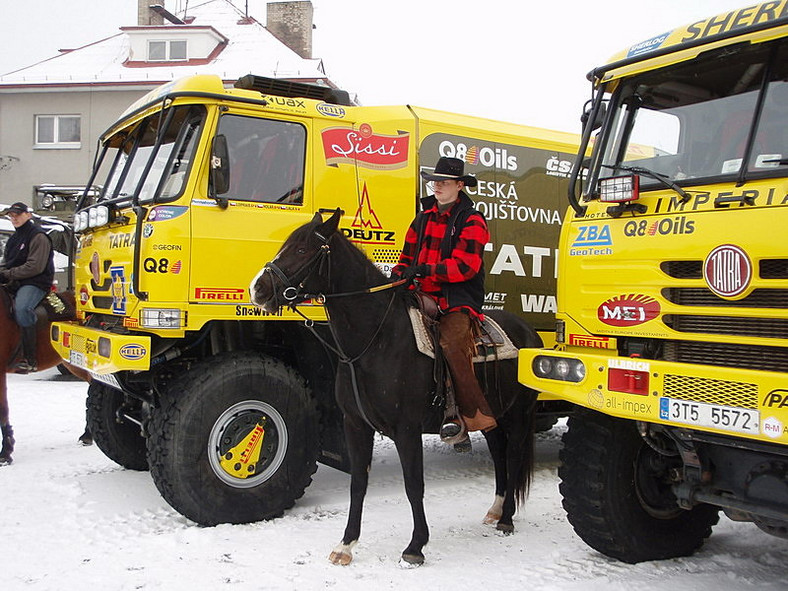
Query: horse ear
x,y
326,229
317,218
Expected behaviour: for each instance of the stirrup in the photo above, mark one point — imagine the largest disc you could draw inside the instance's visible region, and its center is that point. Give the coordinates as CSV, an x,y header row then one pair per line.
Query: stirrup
x,y
453,431
24,367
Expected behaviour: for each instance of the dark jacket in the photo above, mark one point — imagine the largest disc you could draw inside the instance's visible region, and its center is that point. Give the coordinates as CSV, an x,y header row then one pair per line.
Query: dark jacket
x,y
29,258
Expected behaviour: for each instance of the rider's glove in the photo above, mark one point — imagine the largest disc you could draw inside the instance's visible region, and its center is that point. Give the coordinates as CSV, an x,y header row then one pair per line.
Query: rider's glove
x,y
415,271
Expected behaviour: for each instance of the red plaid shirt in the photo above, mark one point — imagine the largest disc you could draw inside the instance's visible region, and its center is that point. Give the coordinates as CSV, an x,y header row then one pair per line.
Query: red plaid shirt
x,y
464,262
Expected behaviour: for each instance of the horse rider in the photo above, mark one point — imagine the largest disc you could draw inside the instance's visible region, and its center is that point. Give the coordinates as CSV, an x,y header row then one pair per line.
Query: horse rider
x,y
443,248
28,267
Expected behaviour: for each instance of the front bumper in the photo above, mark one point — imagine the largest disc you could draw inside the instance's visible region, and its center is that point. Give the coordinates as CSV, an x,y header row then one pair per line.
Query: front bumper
x,y
730,401
98,351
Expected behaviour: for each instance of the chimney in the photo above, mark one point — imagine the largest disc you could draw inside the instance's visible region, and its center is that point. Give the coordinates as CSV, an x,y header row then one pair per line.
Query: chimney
x,y
146,16
291,23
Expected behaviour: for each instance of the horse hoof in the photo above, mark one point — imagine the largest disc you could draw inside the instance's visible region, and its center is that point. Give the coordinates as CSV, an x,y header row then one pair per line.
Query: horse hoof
x,y
491,518
5,461
411,560
506,529
340,558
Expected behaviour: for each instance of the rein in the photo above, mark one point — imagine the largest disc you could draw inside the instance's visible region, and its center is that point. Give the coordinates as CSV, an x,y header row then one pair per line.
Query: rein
x,y
294,296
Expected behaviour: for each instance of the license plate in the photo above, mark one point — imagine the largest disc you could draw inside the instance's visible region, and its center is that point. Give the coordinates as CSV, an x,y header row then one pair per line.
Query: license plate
x,y
716,416
106,378
78,359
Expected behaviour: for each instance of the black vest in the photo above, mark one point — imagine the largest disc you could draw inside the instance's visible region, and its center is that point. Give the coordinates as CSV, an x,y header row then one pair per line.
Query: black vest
x,y
465,293
17,249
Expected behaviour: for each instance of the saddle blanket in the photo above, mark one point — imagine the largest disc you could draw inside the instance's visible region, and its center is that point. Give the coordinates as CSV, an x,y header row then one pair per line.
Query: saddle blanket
x,y
493,344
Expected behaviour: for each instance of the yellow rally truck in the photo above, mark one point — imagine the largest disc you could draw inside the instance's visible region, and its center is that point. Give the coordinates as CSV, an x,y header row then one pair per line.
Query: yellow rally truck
x,y
672,323
201,184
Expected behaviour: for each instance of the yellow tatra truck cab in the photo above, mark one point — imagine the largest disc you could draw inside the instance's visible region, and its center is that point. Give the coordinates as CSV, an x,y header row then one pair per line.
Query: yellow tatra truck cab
x,y
200,185
672,324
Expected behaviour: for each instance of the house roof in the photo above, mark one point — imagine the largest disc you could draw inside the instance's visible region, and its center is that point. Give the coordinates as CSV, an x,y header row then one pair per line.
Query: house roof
x,y
244,46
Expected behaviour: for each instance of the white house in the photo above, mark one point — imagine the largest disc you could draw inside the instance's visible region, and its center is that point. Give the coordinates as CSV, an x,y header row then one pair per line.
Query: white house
x,y
53,112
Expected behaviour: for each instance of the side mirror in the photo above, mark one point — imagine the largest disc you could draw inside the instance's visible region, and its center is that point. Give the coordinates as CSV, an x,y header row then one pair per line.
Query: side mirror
x,y
220,167
588,110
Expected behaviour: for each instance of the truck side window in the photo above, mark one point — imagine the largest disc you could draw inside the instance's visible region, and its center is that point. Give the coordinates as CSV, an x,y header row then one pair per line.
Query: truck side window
x,y
266,159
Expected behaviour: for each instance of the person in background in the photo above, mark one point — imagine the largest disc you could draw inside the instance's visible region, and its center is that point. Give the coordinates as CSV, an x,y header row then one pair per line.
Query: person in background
x,y
443,248
27,269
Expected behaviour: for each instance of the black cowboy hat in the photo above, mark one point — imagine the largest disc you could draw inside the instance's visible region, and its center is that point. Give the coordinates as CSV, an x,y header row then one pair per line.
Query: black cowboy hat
x,y
450,169
16,208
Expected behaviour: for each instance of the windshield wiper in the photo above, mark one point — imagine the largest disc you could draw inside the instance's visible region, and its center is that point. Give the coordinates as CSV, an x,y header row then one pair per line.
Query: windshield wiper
x,y
656,176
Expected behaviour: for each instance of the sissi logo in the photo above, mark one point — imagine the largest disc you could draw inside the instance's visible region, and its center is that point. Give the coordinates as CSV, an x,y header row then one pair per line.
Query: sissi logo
x,y
365,148
628,310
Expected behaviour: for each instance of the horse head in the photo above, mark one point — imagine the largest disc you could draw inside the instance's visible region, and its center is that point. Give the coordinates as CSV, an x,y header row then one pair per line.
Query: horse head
x,y
299,268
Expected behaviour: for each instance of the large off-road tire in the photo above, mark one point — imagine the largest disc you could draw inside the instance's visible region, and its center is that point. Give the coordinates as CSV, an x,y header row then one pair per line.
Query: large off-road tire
x,y
234,440
120,440
617,497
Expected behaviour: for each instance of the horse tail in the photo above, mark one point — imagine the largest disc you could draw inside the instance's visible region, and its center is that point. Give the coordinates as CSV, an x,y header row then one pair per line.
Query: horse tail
x,y
525,470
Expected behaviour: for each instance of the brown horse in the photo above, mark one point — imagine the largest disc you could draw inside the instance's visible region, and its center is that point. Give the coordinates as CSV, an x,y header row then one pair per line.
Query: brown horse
x,y
10,338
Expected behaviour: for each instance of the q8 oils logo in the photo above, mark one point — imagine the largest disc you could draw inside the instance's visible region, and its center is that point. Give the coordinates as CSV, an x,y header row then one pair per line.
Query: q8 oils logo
x,y
487,156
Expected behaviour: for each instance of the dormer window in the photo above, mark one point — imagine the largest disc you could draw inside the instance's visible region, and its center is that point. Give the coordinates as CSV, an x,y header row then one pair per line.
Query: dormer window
x,y
169,50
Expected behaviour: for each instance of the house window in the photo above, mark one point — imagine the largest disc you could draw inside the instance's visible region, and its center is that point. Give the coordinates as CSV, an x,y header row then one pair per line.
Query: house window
x,y
167,51
58,131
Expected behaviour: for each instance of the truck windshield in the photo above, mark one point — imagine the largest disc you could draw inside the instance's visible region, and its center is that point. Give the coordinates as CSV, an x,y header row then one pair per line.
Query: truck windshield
x,y
131,149
702,119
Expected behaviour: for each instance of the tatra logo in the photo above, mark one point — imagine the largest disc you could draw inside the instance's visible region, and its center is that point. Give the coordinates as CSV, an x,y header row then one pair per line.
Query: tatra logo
x,y
628,310
727,271
121,240
132,351
365,148
219,294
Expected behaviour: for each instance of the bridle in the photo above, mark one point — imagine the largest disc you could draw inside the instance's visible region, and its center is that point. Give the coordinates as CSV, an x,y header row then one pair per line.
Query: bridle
x,y
293,294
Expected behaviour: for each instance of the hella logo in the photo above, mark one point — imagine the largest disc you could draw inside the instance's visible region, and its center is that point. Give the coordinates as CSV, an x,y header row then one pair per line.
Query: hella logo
x,y
330,110
132,352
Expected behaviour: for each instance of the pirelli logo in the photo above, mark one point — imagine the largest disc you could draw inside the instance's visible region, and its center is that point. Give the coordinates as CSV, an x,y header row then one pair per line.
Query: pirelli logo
x,y
584,340
219,294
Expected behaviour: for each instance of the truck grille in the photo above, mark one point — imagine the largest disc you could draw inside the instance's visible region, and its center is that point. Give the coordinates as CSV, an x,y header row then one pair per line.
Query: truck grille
x,y
727,355
739,394
700,296
768,328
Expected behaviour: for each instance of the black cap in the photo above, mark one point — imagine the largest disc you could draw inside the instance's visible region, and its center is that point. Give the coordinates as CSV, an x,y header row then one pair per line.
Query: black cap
x,y
16,208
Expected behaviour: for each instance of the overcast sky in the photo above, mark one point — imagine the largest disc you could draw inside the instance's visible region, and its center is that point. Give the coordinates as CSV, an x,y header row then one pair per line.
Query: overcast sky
x,y
517,60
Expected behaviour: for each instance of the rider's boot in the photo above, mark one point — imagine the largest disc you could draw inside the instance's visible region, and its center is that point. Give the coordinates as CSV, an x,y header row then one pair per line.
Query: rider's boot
x,y
8,444
28,362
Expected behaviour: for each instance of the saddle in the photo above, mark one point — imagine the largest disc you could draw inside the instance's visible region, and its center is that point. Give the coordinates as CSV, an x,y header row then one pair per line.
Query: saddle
x,y
492,343
52,306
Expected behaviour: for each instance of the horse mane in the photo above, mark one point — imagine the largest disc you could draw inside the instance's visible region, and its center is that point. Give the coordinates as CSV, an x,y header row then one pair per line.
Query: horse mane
x,y
372,275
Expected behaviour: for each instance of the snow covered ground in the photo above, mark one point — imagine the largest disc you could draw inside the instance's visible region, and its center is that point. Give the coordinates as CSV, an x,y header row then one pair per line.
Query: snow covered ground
x,y
72,519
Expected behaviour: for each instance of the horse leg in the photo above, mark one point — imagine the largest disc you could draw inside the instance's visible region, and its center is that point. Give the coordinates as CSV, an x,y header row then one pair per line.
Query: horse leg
x,y
6,430
496,443
411,457
359,437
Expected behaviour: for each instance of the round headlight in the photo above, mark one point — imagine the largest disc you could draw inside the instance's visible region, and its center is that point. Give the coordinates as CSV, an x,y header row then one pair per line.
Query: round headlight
x,y
543,366
579,371
562,368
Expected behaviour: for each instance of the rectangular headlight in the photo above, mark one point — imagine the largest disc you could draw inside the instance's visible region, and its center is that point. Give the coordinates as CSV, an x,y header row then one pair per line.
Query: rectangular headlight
x,y
619,189
161,318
